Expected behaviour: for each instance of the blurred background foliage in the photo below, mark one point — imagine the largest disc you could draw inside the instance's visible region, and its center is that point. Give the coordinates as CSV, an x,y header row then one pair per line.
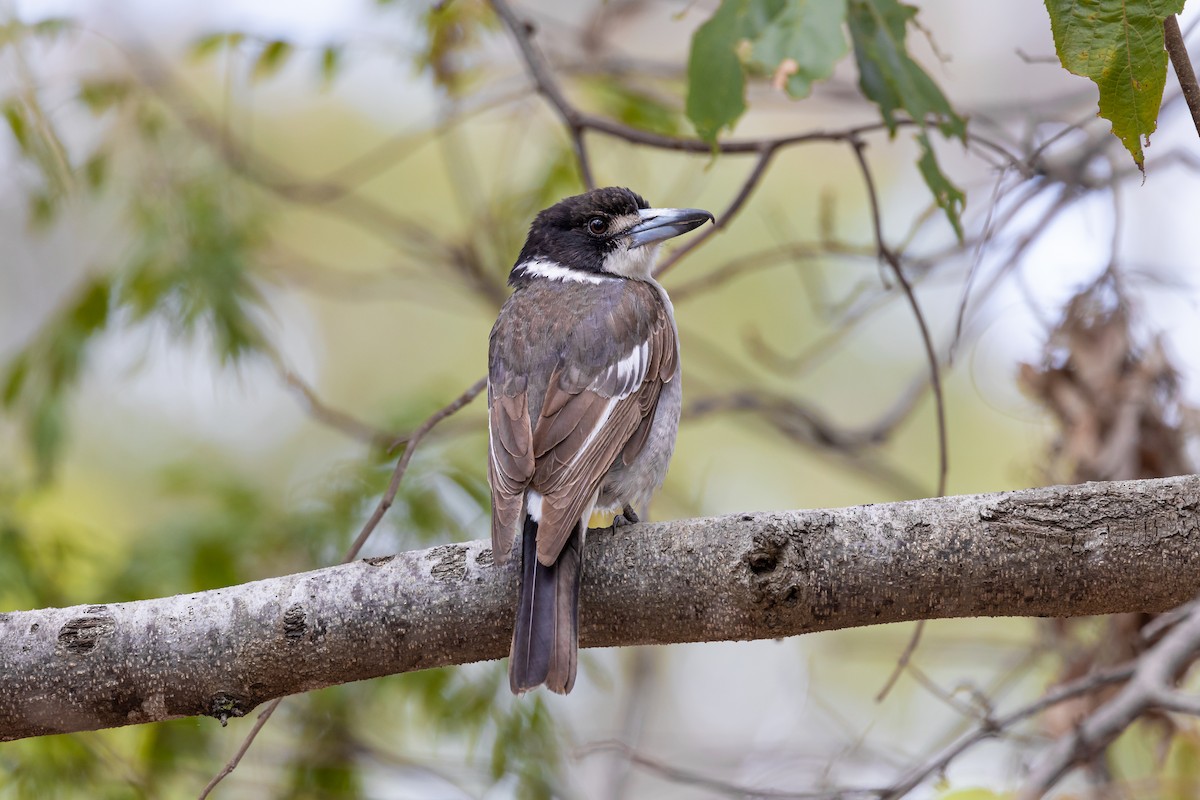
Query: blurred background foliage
x,y
246,245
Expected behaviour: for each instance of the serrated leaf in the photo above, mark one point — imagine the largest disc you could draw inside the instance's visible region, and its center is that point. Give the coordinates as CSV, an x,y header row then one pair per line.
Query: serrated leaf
x,y
271,59
802,43
1118,45
948,197
887,75
192,266
716,82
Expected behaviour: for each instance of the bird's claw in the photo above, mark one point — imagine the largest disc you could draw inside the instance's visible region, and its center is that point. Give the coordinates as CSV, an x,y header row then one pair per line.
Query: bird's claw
x,y
627,517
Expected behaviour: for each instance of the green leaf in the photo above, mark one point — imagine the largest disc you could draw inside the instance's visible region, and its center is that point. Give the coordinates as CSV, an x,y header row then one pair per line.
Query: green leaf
x,y
38,377
192,265
716,82
1118,44
972,794
210,43
890,78
802,44
452,32
635,108
14,115
796,41
948,197
887,75
331,60
14,380
101,95
95,170
271,59
51,27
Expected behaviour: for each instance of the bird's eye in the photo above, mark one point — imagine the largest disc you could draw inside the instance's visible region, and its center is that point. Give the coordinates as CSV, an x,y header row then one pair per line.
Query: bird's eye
x,y
597,226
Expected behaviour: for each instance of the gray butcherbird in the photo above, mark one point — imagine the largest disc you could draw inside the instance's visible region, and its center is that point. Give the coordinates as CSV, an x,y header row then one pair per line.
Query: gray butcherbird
x,y
583,404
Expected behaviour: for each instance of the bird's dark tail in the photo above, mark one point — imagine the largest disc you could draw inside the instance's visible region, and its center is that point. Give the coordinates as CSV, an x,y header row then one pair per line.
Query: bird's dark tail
x,y
545,643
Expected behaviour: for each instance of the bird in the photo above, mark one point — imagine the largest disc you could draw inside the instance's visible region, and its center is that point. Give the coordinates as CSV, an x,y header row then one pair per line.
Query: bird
x,y
583,405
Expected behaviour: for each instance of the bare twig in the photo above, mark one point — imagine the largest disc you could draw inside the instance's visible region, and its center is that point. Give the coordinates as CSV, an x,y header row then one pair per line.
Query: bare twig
x,y
687,777
352,552
748,187
902,662
236,759
991,727
414,439
1150,686
889,256
337,419
574,121
1177,50
574,118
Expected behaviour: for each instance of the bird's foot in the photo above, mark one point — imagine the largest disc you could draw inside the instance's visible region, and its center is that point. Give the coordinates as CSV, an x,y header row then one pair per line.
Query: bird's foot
x,y
627,517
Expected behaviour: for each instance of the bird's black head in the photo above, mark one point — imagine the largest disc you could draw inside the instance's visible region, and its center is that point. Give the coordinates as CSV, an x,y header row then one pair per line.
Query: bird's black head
x,y
600,235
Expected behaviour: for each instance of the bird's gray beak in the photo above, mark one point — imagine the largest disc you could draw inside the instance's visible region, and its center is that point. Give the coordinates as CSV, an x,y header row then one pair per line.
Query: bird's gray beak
x,y
663,223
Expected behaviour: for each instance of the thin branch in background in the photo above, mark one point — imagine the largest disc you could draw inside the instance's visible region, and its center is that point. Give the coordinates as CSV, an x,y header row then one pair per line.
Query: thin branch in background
x,y
352,552
577,120
539,71
748,187
414,439
809,428
233,762
337,419
893,261
902,662
716,785
976,262
991,727
1177,50
1150,686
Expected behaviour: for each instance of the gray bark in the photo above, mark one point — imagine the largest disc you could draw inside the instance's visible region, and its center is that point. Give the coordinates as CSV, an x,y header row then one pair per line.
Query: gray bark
x,y
1059,551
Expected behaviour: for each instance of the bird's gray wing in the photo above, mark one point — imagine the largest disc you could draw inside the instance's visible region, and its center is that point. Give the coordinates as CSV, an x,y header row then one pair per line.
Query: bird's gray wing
x,y
598,408
510,457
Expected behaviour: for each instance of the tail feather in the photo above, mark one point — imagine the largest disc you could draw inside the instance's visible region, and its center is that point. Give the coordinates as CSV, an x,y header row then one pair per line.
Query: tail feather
x,y
545,641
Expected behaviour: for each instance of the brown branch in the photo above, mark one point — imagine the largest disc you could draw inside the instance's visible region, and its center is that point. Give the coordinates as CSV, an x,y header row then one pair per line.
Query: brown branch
x,y
1177,50
893,261
991,727
337,419
688,778
748,187
745,576
1151,686
808,427
761,260
575,119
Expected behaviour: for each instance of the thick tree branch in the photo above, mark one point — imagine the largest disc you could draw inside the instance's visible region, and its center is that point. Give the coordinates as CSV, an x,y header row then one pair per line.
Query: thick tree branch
x,y
1060,551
